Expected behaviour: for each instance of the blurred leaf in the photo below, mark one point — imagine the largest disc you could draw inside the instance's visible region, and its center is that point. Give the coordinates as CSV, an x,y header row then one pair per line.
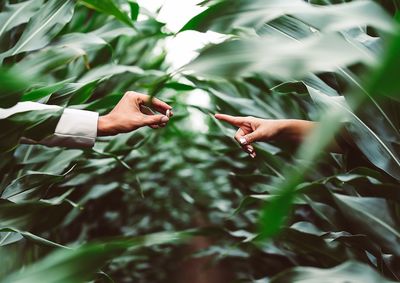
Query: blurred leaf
x,y
384,82
35,125
372,217
16,14
81,263
107,7
30,215
41,92
107,71
224,16
135,8
379,149
278,208
291,60
352,272
12,84
9,238
43,27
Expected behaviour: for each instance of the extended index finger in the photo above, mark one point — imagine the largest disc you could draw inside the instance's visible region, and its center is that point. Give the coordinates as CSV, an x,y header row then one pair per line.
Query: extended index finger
x,y
235,121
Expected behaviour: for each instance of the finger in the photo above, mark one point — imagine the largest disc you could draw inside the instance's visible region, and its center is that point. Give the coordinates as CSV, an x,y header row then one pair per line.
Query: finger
x,y
243,138
250,138
239,134
156,103
148,111
235,121
247,148
149,120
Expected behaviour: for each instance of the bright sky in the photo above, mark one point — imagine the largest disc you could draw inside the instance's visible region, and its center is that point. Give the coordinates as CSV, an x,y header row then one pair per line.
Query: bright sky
x,y
176,13
183,47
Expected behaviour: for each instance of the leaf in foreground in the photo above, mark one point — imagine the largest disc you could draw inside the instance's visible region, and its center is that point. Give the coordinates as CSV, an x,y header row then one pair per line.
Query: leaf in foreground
x,y
80,264
349,272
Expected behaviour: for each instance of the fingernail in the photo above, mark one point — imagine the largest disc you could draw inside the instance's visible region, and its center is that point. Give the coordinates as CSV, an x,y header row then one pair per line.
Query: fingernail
x,y
168,113
249,148
164,119
253,155
242,140
163,125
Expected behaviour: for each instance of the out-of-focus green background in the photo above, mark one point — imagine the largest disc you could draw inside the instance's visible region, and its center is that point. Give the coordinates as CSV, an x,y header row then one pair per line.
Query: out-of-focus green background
x,y
184,203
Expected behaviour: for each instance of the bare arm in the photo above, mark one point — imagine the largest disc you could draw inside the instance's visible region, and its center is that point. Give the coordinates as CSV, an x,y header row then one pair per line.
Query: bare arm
x,y
253,129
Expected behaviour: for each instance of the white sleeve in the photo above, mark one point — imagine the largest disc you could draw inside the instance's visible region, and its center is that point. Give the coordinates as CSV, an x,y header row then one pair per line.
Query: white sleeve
x,y
75,129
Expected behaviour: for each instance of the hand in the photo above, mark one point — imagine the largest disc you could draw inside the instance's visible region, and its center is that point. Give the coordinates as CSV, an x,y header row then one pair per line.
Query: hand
x,y
253,129
133,112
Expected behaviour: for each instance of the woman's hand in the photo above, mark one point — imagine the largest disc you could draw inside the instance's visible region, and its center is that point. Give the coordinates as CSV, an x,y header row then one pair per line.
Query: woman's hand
x,y
253,129
132,112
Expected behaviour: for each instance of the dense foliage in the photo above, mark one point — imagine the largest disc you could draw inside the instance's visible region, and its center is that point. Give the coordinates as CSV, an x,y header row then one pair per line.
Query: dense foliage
x,y
137,207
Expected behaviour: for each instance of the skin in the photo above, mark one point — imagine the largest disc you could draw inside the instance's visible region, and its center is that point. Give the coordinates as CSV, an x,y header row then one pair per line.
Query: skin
x,y
133,111
252,129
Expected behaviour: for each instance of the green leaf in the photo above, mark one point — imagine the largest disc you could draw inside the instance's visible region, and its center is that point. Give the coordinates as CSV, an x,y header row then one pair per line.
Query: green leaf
x,y
17,14
44,91
351,271
278,57
64,51
135,8
371,216
30,186
107,71
27,216
9,238
277,209
12,85
384,81
35,125
108,7
81,263
379,149
42,28
13,235
224,16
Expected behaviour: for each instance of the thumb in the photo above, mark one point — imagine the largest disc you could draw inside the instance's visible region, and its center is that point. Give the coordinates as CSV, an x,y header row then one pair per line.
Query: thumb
x,y
154,119
250,138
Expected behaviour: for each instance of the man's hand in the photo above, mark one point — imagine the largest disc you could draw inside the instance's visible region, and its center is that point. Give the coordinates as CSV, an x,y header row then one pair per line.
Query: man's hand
x,y
253,129
133,112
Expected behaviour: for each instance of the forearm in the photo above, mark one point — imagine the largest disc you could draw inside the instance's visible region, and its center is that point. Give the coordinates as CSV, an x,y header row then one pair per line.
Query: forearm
x,y
75,128
296,131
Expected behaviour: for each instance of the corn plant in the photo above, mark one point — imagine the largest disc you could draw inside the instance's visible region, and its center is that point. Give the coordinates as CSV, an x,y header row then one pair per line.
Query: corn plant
x,y
131,208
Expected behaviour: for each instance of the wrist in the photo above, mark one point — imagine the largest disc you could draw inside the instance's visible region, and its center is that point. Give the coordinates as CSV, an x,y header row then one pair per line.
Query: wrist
x,y
295,130
103,126
284,128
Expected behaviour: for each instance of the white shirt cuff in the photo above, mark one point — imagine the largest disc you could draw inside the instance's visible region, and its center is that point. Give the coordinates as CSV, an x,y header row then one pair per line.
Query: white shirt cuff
x,y
76,128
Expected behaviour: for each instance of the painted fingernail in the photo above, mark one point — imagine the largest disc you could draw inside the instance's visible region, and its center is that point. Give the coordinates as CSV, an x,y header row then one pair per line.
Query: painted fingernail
x,y
242,140
164,119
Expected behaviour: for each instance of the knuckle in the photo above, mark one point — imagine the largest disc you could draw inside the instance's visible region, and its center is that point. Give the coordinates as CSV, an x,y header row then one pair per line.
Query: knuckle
x,y
130,94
